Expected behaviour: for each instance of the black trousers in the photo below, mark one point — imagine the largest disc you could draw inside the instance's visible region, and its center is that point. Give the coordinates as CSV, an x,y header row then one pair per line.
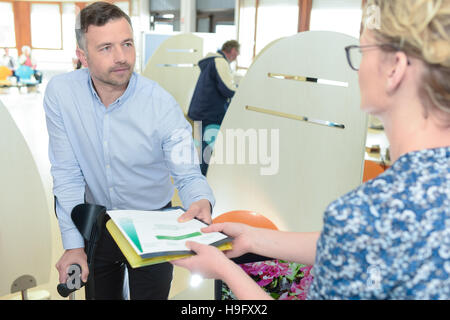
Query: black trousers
x,y
145,283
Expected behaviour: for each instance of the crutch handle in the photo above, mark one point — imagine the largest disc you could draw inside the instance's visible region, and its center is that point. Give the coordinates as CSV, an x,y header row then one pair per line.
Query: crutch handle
x,y
71,285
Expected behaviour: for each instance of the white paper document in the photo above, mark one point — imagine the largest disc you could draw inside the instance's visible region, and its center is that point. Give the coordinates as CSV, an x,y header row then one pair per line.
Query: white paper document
x,y
158,233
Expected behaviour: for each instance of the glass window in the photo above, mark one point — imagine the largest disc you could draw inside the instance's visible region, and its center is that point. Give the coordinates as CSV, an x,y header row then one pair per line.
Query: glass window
x,y
68,26
337,15
203,24
276,19
165,5
163,27
208,5
165,15
7,32
226,31
124,6
247,11
46,26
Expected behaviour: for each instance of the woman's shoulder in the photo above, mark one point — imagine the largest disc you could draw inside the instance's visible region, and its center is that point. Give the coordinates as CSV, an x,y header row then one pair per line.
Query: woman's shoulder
x,y
418,181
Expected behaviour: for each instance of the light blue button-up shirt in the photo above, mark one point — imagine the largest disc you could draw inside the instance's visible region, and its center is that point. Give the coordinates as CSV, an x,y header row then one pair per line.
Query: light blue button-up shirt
x,y
122,156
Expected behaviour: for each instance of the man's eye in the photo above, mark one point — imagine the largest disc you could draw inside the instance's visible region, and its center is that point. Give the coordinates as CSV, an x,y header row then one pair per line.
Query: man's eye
x,y
105,48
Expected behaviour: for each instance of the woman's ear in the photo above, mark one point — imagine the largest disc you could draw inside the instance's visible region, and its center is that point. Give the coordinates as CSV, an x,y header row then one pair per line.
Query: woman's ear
x,y
81,55
397,71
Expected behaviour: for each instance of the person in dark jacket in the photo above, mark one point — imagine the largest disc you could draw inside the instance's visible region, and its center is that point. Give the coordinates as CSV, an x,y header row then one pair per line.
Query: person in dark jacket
x,y
212,95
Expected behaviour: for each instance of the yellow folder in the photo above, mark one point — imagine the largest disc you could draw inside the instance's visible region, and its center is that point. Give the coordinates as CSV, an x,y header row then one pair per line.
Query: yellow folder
x,y
134,259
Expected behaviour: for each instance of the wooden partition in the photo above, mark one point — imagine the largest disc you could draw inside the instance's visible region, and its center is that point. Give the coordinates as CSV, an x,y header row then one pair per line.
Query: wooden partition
x,y
293,137
174,66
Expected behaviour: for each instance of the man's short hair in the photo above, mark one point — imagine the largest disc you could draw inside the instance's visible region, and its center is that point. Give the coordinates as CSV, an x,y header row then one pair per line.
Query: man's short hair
x,y
227,46
97,14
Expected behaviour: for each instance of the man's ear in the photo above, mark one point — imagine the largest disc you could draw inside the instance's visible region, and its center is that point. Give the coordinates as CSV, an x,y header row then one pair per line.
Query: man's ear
x,y
81,55
397,71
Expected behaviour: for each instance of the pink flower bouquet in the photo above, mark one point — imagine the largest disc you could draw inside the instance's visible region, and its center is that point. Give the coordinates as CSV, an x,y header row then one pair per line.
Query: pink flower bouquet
x,y
281,279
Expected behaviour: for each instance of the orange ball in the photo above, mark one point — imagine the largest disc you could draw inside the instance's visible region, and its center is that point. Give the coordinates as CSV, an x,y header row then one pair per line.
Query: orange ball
x,y
250,218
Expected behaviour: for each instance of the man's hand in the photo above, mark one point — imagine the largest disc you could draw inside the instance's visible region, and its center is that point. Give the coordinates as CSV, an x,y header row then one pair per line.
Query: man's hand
x,y
72,256
200,209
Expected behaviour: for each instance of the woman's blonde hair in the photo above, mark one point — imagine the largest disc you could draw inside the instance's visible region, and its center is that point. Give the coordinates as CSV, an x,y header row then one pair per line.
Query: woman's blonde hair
x,y
421,29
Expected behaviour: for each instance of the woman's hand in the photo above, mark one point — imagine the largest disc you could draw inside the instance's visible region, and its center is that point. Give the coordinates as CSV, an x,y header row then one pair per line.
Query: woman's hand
x,y
242,236
208,261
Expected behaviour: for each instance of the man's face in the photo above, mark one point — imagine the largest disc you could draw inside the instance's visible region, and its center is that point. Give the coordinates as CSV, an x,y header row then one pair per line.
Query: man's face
x,y
109,52
233,54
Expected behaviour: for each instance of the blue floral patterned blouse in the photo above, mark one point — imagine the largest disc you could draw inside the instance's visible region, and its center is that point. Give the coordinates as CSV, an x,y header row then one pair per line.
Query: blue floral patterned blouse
x,y
390,237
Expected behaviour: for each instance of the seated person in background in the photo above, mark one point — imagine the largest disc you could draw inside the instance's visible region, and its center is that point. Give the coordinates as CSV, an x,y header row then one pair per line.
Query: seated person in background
x,y
390,237
7,61
76,63
26,59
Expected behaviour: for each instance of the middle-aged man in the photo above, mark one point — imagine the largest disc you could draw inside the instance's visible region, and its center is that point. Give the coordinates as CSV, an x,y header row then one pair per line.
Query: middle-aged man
x,y
212,95
112,141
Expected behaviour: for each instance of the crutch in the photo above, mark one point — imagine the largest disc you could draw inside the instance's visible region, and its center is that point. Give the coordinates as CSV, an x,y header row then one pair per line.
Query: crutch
x,y
89,220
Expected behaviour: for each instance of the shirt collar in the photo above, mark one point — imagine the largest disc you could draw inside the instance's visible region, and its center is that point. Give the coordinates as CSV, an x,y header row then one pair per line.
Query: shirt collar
x,y
128,92
222,54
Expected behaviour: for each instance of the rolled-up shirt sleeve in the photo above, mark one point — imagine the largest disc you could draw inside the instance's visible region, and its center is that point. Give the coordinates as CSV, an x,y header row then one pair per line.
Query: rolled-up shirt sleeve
x,y
68,181
181,156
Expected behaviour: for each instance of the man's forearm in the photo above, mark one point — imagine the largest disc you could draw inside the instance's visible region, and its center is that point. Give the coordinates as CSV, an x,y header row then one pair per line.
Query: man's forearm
x,y
70,236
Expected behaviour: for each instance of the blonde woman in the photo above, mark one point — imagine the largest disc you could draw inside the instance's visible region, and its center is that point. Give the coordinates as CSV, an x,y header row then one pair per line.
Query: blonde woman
x,y
26,58
389,238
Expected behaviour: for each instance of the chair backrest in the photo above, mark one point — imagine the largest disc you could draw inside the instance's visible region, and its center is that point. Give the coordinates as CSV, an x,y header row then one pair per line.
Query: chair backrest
x,y
247,217
24,72
373,169
5,72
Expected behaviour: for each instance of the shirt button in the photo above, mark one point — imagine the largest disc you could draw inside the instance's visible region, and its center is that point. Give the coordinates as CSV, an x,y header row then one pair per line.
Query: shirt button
x,y
108,166
110,189
105,143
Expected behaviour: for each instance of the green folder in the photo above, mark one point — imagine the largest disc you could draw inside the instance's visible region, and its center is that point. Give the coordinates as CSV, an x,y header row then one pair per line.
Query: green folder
x,y
134,259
